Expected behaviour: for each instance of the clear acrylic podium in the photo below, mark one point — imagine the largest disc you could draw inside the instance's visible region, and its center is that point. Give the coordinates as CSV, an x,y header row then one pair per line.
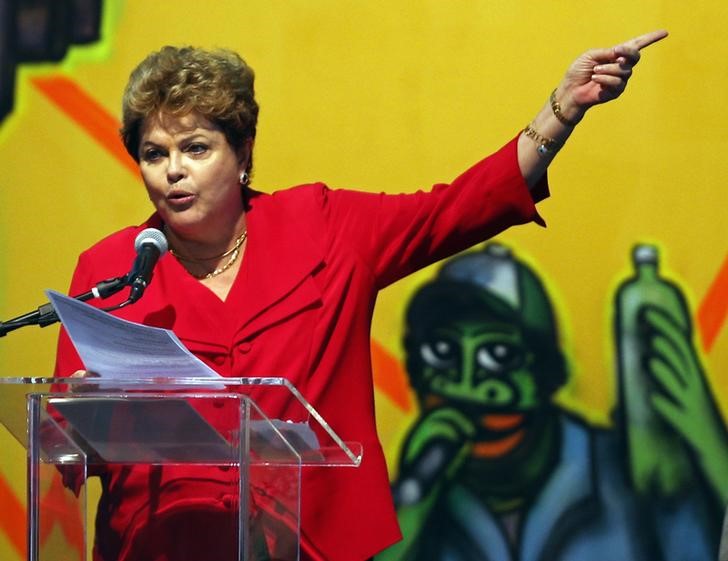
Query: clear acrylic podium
x,y
74,428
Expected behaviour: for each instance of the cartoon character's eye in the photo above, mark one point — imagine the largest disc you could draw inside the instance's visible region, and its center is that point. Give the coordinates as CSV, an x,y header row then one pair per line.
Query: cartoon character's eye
x,y
440,353
500,357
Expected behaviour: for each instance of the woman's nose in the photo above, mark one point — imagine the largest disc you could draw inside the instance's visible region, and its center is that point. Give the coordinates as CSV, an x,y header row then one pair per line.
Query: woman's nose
x,y
175,168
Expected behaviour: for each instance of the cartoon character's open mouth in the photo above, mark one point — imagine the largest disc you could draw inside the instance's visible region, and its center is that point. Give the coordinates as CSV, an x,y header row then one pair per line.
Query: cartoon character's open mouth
x,y
499,434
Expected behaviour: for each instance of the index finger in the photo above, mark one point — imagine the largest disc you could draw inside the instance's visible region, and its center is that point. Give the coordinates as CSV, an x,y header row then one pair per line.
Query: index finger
x,y
647,39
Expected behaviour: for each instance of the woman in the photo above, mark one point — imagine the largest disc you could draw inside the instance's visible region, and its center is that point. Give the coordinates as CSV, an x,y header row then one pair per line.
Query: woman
x,y
260,284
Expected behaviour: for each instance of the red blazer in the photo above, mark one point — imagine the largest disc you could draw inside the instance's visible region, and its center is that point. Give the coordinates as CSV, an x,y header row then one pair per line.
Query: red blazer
x,y
301,307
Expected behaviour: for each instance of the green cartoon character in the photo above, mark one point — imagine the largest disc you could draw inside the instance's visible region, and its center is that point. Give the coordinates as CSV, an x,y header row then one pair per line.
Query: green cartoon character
x,y
492,469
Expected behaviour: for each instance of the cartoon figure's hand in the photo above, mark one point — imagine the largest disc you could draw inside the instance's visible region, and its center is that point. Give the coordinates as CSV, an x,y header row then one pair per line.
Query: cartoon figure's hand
x,y
683,398
433,452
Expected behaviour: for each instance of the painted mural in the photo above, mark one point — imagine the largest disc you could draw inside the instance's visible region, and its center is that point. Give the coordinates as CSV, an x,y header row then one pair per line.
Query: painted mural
x,y
492,469
555,393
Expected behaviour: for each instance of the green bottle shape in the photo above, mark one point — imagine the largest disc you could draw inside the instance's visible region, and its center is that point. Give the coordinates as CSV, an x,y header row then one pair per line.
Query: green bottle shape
x,y
658,460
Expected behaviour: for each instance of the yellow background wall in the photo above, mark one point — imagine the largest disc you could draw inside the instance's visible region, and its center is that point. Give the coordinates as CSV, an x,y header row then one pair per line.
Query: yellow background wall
x,y
394,96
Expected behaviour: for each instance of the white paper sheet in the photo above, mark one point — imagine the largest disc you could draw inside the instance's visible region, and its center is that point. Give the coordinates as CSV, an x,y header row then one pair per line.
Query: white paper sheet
x,y
121,349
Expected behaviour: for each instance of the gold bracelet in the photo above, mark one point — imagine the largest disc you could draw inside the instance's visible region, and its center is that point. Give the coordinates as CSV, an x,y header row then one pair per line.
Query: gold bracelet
x,y
556,108
544,145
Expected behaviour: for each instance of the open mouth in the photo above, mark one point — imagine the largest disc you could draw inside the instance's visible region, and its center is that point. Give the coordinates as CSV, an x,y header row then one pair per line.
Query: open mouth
x,y
500,433
179,198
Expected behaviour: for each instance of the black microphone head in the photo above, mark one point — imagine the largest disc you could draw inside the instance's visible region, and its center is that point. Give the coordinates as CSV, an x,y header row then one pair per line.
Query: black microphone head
x,y
150,245
154,237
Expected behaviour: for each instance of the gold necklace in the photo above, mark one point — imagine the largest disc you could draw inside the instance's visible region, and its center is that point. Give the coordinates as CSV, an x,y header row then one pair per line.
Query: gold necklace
x,y
233,252
236,245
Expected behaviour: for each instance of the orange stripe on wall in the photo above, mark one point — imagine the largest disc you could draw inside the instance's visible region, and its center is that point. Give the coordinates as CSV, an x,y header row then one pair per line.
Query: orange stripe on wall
x,y
713,309
390,378
87,113
12,518
60,508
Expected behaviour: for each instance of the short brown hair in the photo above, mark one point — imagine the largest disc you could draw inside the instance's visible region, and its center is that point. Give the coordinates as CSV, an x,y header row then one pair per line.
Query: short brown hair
x,y
216,84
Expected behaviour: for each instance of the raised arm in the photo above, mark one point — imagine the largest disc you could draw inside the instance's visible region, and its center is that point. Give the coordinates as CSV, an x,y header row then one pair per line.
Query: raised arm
x,y
597,76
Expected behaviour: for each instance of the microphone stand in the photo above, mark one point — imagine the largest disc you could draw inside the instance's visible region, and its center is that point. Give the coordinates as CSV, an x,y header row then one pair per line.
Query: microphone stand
x,y
45,315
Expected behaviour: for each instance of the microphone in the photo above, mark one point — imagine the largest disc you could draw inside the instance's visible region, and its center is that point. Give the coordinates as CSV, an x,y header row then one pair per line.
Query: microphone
x,y
418,478
150,245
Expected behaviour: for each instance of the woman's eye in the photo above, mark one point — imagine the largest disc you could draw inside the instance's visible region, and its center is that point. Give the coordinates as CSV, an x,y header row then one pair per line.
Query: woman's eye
x,y
152,155
499,357
439,353
197,148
